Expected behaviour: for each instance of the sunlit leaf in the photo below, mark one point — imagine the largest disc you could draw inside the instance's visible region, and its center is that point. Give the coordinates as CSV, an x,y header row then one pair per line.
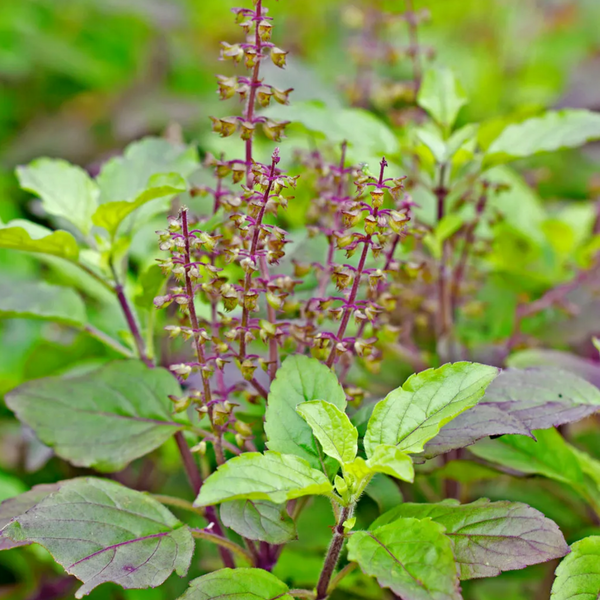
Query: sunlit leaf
x,y
550,132
413,414
66,190
333,429
442,96
237,584
270,476
489,537
412,557
578,575
299,379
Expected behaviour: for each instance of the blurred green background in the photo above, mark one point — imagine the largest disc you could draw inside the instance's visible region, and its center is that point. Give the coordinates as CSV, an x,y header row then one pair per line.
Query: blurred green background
x,y
80,79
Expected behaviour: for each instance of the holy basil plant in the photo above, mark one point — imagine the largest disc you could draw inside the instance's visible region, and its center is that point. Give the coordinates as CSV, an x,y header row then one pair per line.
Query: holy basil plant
x,y
101,531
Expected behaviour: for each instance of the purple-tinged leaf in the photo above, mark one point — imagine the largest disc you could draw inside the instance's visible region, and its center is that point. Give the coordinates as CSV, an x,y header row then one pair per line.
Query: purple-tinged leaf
x,y
101,531
479,422
517,402
489,537
543,397
15,507
557,359
103,419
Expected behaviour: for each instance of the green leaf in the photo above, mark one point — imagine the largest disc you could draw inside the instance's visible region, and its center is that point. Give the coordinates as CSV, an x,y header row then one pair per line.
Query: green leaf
x,y
112,214
38,300
103,419
126,177
548,455
552,131
384,492
15,507
66,190
489,537
237,584
100,531
391,461
442,96
413,414
30,237
358,127
299,379
259,520
270,476
333,429
578,575
151,281
412,557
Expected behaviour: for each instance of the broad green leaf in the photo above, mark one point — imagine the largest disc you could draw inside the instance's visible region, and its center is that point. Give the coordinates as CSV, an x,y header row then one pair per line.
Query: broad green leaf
x,y
102,419
237,584
552,131
467,471
111,214
333,429
578,575
126,177
489,537
442,96
548,455
412,557
30,237
15,507
413,414
270,476
66,190
39,300
358,127
392,461
100,531
299,379
259,520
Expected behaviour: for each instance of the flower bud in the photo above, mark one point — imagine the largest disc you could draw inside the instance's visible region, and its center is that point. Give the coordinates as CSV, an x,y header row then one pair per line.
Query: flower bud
x,y
224,127
199,448
282,97
377,195
247,130
247,368
264,30
278,57
231,52
182,369
227,87
263,95
162,301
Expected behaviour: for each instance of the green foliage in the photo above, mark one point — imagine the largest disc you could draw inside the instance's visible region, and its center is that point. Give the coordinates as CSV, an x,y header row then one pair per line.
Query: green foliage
x,y
412,557
86,420
413,414
547,133
299,379
259,520
442,96
271,476
101,531
238,584
577,575
38,300
488,537
300,287
66,191
332,428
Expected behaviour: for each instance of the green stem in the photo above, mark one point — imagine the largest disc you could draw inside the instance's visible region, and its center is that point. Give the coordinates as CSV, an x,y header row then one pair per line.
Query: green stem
x,y
223,542
178,503
338,578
